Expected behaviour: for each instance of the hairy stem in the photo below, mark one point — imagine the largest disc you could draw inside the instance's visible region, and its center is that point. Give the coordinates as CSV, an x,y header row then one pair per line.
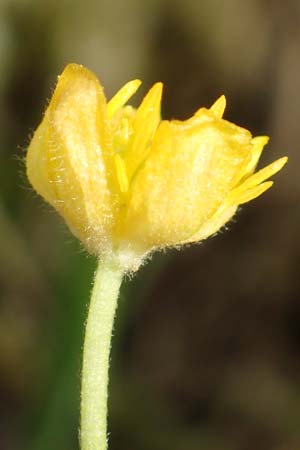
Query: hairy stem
x,y
96,351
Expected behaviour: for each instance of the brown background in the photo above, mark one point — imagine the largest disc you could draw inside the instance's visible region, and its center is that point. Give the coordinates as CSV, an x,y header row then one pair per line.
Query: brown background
x,y
207,340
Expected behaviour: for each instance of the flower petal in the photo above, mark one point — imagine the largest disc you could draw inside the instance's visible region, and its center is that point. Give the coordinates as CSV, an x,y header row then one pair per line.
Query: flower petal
x,y
68,158
185,178
223,214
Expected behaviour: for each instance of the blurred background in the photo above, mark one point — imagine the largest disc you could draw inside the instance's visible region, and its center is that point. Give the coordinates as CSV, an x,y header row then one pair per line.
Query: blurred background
x,y
207,340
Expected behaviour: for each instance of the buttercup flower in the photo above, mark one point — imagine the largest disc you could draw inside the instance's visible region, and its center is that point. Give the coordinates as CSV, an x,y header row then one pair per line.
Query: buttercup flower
x,y
127,182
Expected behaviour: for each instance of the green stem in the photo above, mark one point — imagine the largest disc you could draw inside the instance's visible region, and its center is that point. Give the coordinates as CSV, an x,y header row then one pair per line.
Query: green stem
x,y
96,355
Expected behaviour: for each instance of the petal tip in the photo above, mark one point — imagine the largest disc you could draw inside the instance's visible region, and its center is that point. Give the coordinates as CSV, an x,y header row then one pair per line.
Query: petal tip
x,y
74,68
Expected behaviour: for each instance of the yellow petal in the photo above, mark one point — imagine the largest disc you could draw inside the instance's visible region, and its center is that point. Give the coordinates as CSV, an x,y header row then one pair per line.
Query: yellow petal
x,y
37,162
183,181
122,97
67,158
145,124
223,215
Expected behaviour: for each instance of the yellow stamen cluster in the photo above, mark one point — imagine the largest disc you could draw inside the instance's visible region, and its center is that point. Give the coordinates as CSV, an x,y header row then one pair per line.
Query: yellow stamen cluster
x,y
127,182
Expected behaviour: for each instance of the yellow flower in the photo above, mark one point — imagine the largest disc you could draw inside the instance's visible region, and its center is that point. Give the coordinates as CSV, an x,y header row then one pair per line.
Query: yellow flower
x,y
127,182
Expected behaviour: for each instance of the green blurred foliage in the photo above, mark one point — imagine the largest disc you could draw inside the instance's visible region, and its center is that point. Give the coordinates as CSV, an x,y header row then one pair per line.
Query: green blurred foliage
x,y
206,347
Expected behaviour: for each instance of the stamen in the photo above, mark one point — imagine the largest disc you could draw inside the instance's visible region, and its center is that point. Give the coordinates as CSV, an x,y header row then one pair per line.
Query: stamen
x,y
121,173
219,106
145,124
258,144
122,97
262,174
251,194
